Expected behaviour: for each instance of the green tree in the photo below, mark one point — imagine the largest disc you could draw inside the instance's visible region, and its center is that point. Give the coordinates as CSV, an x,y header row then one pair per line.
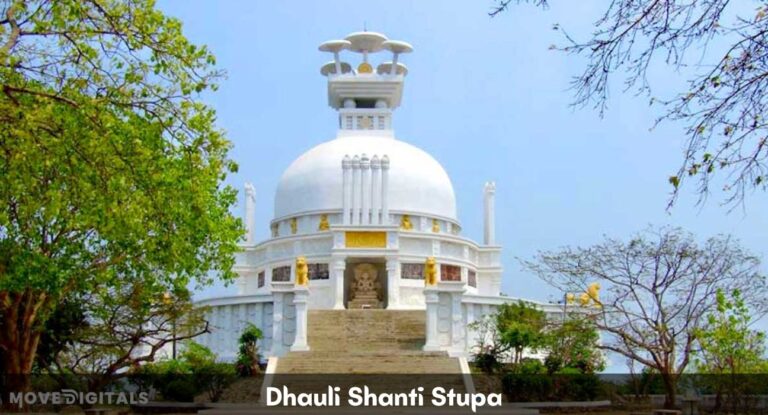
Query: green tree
x,y
728,347
111,168
574,343
521,327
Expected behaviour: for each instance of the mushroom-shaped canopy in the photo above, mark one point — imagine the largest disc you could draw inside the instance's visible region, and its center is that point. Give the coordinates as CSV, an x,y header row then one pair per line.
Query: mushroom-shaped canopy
x,y
386,67
334,46
370,42
330,68
397,46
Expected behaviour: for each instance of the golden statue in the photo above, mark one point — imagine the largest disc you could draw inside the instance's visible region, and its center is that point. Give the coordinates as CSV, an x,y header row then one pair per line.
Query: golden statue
x,y
584,299
302,271
593,290
430,271
435,226
570,298
324,225
294,225
405,223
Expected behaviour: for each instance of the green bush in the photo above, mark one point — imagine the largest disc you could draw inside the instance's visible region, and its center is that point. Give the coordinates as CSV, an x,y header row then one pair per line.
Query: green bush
x,y
519,387
214,378
194,372
487,362
248,353
529,366
570,384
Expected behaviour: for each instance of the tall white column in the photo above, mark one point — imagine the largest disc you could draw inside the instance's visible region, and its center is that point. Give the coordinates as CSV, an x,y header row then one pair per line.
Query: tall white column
x,y
250,213
365,191
385,190
375,190
300,298
346,165
337,280
489,225
356,190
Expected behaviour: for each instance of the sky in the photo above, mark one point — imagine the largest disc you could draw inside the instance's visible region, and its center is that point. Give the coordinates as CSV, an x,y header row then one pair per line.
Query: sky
x,y
486,97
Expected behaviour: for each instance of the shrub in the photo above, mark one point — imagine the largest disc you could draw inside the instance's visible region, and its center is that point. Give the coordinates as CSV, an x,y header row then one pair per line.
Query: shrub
x,y
214,378
519,387
487,362
194,372
248,352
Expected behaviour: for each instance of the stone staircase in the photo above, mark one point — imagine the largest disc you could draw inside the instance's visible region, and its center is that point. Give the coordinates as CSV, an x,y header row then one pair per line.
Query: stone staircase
x,y
381,349
367,342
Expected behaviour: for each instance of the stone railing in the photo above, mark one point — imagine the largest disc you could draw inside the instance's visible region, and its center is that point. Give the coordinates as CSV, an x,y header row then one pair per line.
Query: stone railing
x,y
451,312
281,316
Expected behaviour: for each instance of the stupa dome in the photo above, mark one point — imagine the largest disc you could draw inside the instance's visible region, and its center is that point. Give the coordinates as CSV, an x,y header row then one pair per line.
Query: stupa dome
x,y
418,184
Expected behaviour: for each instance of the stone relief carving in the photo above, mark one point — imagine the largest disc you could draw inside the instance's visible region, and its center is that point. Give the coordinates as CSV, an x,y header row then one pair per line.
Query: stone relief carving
x,y
366,290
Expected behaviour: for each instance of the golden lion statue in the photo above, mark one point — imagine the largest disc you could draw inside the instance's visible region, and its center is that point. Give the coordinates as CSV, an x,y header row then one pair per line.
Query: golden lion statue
x,y
405,223
584,299
593,290
302,271
430,271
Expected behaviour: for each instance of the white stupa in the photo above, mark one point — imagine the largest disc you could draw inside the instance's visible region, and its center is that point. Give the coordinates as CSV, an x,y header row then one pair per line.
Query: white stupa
x,y
369,215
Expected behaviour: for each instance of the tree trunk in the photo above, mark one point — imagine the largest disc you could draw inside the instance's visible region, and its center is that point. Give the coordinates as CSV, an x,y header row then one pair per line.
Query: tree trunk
x,y
19,336
670,387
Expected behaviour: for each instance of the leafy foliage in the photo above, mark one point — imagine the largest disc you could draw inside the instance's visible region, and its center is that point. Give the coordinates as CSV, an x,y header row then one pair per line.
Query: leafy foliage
x,y
195,371
574,344
248,351
111,168
521,326
514,327
729,347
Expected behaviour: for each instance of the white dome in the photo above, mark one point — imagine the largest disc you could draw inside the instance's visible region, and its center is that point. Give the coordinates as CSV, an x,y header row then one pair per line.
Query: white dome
x,y
418,184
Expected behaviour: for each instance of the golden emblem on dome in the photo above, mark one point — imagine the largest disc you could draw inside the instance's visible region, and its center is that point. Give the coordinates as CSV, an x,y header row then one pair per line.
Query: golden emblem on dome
x,y
294,225
324,225
405,223
365,67
435,226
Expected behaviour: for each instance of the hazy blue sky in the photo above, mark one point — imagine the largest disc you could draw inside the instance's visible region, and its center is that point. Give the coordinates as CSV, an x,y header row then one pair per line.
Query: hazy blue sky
x,y
485,96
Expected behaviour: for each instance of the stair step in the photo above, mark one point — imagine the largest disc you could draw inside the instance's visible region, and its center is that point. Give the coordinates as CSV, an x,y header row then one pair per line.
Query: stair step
x,y
368,341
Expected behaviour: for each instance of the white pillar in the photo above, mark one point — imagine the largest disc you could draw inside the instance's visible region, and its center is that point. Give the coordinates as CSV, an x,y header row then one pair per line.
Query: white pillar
x,y
346,164
356,190
250,213
300,297
385,190
393,284
489,225
432,300
277,322
376,190
337,280
365,191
